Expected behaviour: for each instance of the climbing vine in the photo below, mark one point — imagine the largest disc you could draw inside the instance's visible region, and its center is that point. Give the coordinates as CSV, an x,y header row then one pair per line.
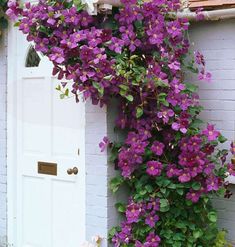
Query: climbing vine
x,y
140,56
3,20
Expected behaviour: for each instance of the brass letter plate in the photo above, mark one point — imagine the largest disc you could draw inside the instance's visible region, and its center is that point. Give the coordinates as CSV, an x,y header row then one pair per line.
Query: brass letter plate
x,y
47,168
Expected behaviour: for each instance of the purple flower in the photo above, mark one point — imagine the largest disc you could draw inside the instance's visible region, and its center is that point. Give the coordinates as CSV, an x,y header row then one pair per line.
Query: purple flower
x,y
79,36
154,168
175,66
181,124
176,86
184,177
127,33
212,183
104,144
155,37
85,75
42,45
151,220
116,45
204,76
154,204
174,28
199,14
153,240
193,196
133,212
211,133
25,26
71,43
172,171
209,168
124,236
233,147
57,55
166,114
134,43
157,148
199,58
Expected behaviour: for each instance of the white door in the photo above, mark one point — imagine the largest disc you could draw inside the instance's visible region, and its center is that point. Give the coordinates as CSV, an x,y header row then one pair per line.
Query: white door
x,y
50,209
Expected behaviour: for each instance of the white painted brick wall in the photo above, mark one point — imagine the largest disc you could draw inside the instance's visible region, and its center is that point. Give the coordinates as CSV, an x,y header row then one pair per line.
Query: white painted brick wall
x,y
3,180
216,40
101,214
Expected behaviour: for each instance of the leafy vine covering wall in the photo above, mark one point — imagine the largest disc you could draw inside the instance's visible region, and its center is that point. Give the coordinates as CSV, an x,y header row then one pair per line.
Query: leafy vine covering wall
x,y
3,21
140,55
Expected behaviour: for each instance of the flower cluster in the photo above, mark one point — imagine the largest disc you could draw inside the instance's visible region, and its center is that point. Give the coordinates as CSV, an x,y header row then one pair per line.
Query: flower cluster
x,y
148,213
138,57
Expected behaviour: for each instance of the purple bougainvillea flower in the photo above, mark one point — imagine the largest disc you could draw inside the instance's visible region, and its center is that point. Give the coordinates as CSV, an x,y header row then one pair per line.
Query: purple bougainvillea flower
x,y
211,133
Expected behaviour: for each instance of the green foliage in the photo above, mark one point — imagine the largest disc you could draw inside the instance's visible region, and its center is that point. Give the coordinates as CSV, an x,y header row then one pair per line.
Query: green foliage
x,y
221,240
3,20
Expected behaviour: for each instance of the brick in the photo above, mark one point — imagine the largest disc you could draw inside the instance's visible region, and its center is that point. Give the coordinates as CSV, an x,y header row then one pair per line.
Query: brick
x,y
217,42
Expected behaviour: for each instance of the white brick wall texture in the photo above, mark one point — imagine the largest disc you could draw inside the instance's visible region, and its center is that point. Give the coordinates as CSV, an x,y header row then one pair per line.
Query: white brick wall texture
x,y
3,180
216,40
101,214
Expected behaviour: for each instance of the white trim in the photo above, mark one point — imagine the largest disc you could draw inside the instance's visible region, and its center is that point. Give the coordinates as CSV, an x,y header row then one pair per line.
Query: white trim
x,y
11,128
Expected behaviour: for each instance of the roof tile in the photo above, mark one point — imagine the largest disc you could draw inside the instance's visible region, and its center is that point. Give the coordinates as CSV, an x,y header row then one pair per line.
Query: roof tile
x,y
211,4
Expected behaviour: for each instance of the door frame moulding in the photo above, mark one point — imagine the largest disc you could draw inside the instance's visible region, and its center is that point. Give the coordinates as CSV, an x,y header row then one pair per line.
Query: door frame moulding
x,y
11,134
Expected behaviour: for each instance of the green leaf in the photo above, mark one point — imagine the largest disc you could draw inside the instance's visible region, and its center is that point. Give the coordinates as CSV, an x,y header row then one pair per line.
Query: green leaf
x,y
222,139
62,96
197,233
191,87
212,216
66,92
130,98
139,112
196,186
115,183
124,87
120,207
164,203
58,88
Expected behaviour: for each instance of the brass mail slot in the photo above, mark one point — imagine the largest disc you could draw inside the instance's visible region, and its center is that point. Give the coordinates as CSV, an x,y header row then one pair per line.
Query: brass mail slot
x,y
47,168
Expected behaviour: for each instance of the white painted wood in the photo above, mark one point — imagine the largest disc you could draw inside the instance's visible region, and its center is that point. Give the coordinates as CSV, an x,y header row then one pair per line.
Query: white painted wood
x,y
47,211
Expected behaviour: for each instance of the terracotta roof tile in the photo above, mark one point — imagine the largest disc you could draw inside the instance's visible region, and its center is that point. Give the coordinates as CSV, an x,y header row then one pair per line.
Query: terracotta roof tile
x,y
211,4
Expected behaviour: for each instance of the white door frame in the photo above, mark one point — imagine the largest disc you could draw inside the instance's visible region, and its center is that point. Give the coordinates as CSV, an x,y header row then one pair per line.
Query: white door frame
x,y
11,109
11,133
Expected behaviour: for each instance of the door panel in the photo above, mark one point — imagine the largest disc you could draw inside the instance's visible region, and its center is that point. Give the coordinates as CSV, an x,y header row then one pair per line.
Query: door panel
x,y
50,209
